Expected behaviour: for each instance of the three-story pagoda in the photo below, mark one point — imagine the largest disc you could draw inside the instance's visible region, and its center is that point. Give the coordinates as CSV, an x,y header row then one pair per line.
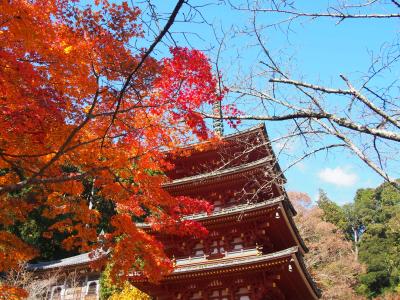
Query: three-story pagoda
x,y
253,249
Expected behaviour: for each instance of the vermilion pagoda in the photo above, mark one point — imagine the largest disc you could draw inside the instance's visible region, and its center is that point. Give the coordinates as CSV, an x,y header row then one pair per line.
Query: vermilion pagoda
x,y
253,250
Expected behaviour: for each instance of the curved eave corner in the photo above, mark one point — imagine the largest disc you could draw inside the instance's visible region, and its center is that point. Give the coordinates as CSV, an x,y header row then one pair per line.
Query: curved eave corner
x,y
293,229
311,285
268,143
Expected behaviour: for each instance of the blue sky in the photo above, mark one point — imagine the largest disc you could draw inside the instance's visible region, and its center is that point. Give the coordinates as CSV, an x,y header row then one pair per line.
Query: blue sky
x,y
316,50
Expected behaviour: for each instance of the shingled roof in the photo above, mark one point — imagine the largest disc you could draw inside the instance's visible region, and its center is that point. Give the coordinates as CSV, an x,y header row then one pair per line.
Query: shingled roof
x,y
200,178
250,262
76,260
236,261
227,211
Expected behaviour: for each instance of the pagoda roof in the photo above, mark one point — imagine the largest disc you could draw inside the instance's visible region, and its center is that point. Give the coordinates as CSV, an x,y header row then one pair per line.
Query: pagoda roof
x,y
260,127
238,261
217,174
271,158
244,209
245,131
241,208
230,259
235,209
229,136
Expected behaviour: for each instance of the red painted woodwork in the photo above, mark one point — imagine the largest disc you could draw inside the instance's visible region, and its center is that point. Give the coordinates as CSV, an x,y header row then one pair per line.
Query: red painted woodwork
x,y
253,250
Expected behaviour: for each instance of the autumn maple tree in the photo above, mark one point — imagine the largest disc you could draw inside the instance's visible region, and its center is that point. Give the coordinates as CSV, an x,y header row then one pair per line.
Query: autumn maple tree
x,y
79,102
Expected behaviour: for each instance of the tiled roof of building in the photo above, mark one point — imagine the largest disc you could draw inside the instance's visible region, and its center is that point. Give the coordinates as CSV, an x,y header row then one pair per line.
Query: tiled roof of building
x,y
230,135
80,259
230,261
247,260
218,173
238,262
227,211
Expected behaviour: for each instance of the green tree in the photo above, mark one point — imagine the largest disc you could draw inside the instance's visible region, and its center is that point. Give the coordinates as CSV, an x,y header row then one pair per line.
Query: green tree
x,y
354,226
376,212
332,212
330,259
34,230
372,223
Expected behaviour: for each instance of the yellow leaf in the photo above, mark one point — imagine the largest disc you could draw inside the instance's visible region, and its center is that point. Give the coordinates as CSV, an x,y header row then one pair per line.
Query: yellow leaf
x,y
67,49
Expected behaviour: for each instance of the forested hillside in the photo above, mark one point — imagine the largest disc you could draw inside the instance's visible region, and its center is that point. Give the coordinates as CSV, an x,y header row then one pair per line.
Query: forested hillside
x,y
354,248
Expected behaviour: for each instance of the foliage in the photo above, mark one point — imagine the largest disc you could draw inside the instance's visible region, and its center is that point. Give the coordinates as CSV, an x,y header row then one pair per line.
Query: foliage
x,y
129,292
371,223
107,287
332,212
34,229
109,290
379,244
8,292
330,257
80,103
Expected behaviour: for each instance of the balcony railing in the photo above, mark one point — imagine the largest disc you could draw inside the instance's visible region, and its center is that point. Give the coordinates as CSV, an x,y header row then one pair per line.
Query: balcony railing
x,y
224,255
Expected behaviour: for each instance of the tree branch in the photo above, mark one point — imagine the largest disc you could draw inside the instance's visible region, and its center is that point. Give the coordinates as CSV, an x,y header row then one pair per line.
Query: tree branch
x,y
144,57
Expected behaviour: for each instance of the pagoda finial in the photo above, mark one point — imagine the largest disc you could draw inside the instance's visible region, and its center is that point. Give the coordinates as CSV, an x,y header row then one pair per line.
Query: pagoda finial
x,y
218,125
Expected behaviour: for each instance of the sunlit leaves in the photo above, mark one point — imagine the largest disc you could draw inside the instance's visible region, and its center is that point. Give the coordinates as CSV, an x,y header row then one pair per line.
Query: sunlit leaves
x,y
75,108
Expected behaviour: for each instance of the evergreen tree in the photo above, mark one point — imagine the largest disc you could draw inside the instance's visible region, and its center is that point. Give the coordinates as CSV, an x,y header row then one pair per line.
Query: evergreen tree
x,y
332,212
372,223
35,229
377,212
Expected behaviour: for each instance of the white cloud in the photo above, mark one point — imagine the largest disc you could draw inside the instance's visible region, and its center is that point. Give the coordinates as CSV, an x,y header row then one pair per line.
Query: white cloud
x,y
338,176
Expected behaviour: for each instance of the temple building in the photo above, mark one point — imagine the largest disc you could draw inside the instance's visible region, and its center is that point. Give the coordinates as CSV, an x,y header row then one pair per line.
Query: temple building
x,y
253,250
70,278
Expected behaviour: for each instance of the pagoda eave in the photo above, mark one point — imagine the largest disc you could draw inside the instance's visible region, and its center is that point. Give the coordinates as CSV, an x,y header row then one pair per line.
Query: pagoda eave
x,y
244,212
233,211
217,175
286,265
259,128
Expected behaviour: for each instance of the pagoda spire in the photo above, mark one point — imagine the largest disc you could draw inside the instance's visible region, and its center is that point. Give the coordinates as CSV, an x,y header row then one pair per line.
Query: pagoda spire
x,y
218,125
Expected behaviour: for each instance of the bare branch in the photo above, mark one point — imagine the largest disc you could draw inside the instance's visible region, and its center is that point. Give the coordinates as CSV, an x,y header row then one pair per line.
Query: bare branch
x,y
340,16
